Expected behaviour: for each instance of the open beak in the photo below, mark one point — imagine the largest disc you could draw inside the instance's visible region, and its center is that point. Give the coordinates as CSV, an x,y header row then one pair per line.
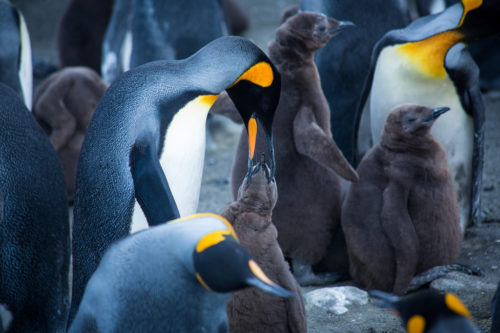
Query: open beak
x,y
261,281
436,113
252,128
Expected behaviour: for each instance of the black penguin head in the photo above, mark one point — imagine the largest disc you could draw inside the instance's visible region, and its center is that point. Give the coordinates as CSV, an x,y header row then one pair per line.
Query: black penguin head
x,y
480,19
411,119
256,95
424,311
223,265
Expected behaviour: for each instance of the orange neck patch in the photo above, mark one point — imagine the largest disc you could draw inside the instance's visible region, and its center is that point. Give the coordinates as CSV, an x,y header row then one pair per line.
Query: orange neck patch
x,y
428,55
208,99
260,74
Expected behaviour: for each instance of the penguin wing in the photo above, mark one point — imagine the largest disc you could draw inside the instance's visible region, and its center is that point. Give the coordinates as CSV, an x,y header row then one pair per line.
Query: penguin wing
x,y
224,106
111,62
312,141
151,186
398,227
464,73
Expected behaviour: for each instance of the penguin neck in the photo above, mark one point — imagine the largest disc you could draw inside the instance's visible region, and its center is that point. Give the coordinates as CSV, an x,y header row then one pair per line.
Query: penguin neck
x,y
418,143
427,56
289,59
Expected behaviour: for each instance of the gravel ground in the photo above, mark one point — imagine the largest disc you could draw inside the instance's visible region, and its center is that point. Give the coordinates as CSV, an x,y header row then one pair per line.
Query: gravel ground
x,y
481,244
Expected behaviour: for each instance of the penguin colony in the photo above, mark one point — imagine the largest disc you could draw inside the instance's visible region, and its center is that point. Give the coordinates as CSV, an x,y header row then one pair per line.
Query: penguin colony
x,y
405,208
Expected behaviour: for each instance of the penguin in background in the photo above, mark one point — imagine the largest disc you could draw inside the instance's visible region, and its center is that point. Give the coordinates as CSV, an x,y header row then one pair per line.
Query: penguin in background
x,y
402,218
63,105
428,311
251,310
495,311
35,232
345,61
146,141
143,31
427,63
175,277
15,54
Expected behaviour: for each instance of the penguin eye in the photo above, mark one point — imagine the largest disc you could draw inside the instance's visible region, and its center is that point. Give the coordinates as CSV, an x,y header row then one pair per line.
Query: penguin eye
x,y
411,120
322,28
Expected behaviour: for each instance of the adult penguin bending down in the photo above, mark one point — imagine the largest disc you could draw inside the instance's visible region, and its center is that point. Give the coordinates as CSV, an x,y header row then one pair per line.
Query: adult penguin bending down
x,y
159,110
427,63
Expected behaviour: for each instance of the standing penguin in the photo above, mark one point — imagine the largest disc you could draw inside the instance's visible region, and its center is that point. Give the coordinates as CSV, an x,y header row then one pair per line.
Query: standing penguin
x,y
171,278
63,105
428,312
427,63
345,61
146,140
15,52
34,225
143,31
307,214
401,218
251,310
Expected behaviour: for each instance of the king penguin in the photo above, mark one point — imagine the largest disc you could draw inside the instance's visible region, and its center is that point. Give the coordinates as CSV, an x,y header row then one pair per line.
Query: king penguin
x,y
428,311
345,61
175,277
15,53
146,140
427,63
34,225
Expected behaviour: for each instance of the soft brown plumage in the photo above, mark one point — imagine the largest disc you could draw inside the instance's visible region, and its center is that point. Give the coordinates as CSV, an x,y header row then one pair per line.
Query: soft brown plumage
x,y
401,218
252,310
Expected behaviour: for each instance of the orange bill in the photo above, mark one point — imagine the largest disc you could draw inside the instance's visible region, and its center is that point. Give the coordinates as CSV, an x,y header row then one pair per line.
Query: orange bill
x,y
252,136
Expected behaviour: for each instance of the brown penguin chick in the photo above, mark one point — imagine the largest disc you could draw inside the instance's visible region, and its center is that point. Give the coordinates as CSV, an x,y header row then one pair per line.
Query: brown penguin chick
x,y
402,217
251,310
63,105
308,162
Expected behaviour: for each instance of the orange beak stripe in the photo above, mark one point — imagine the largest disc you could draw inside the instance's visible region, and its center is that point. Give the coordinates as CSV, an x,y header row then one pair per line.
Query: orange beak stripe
x,y
252,136
257,271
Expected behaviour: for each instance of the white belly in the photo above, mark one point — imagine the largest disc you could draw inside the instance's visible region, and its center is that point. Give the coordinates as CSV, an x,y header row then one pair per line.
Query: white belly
x,y
182,160
395,83
26,66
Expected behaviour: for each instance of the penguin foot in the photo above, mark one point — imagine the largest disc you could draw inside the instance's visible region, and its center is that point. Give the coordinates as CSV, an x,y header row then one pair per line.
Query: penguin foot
x,y
439,271
305,276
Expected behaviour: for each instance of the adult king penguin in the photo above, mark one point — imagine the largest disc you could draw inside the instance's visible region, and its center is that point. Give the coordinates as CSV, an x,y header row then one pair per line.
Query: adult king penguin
x,y
159,110
15,52
34,225
427,63
345,61
171,278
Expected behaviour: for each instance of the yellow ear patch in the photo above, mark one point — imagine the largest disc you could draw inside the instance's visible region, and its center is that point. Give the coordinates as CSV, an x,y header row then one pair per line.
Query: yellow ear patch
x,y
428,55
468,6
212,239
260,74
208,99
200,215
456,305
252,136
416,324
257,271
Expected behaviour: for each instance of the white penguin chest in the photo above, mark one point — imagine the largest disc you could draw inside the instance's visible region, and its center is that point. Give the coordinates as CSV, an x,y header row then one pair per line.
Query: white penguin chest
x,y
182,159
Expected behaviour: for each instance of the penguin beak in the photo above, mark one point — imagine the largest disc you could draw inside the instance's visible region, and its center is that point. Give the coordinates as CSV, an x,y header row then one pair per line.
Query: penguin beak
x,y
261,281
385,300
252,128
252,136
338,26
436,113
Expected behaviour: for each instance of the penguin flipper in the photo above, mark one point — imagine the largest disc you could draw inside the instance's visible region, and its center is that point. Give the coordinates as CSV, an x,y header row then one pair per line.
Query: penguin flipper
x,y
224,106
398,228
151,185
312,141
464,73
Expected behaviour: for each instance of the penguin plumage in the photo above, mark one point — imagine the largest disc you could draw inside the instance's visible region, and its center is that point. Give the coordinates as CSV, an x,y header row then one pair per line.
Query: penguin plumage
x,y
251,310
34,226
427,63
428,311
63,105
401,218
170,278
159,110
344,62
15,53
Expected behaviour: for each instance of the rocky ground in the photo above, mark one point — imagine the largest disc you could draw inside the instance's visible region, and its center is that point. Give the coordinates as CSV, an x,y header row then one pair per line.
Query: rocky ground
x,y
343,308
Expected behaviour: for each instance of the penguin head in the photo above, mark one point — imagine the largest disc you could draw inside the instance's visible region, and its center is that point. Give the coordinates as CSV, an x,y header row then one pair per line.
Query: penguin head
x,y
257,191
223,265
479,19
411,119
256,95
427,311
